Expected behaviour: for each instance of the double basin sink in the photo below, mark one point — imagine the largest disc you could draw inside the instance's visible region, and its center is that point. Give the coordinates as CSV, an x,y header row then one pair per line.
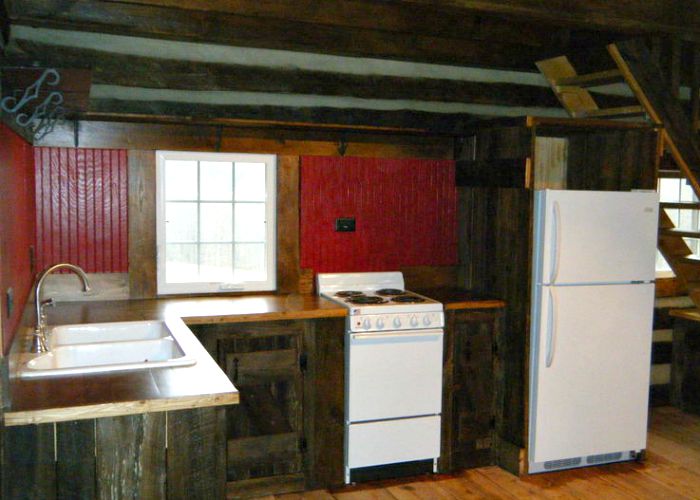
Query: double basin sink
x,y
108,347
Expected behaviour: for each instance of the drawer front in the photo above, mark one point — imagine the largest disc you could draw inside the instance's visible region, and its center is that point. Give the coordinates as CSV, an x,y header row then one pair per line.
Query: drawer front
x,y
392,441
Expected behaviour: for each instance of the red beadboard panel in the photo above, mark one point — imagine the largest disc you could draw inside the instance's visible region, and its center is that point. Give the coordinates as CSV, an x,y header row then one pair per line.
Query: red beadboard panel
x,y
405,213
16,227
81,208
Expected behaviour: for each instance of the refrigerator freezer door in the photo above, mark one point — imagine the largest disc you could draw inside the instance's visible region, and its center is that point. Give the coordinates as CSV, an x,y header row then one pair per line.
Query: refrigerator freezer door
x,y
592,398
595,236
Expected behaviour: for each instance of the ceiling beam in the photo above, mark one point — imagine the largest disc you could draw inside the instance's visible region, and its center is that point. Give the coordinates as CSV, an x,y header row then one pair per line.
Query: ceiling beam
x,y
634,16
446,22
499,51
341,119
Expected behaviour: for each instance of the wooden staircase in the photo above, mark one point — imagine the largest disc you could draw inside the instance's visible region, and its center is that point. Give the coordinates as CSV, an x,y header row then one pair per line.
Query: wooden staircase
x,y
658,104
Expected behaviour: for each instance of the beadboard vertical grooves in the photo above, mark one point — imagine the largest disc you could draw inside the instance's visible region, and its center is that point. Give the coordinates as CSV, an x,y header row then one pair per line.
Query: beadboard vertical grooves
x,y
405,213
81,208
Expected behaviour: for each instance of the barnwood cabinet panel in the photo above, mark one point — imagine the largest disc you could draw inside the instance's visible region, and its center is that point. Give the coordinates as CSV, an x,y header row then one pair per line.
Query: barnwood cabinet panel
x,y
281,437
468,388
117,457
685,365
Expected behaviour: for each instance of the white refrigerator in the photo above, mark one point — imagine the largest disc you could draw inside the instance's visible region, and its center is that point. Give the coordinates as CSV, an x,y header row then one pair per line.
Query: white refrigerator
x,y
591,327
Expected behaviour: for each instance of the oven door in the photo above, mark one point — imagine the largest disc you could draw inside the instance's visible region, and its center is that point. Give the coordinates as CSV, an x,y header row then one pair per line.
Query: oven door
x,y
394,374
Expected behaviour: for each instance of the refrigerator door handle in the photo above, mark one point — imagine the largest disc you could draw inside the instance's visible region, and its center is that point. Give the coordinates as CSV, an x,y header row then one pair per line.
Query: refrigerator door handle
x,y
556,242
551,327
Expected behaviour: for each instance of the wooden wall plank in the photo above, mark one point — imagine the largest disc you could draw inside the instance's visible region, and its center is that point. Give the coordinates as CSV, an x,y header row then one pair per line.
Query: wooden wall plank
x,y
324,402
196,454
142,224
131,456
75,459
252,138
29,469
288,268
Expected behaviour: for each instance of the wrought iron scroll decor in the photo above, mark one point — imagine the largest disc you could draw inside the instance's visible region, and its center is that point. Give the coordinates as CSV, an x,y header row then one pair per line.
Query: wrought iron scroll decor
x,y
46,115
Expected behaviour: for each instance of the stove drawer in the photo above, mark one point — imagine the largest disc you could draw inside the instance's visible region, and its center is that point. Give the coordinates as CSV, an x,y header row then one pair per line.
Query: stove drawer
x,y
393,441
394,374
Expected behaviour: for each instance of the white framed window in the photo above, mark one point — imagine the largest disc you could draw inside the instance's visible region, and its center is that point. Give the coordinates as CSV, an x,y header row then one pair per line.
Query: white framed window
x,y
215,222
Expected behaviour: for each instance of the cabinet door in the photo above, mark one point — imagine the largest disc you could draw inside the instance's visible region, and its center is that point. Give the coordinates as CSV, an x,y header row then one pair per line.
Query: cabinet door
x,y
265,440
469,397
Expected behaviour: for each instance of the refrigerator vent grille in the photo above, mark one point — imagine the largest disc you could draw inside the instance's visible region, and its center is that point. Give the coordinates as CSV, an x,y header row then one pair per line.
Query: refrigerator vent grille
x,y
605,457
564,463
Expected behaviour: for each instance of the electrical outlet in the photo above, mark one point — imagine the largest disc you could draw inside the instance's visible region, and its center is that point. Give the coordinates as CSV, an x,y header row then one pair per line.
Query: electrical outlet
x,y
9,301
345,224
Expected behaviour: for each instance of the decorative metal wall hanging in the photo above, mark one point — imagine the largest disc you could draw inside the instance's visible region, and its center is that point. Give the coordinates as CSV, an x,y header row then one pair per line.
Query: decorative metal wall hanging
x,y
46,115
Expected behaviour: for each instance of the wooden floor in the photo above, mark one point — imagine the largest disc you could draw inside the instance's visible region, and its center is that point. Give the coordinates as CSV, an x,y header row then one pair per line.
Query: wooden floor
x,y
671,471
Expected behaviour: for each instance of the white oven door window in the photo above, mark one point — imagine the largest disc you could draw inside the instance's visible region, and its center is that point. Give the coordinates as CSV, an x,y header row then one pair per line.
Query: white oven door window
x,y
394,374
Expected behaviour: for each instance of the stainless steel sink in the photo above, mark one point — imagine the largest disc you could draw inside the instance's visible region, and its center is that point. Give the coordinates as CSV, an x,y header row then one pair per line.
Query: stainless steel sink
x,y
108,347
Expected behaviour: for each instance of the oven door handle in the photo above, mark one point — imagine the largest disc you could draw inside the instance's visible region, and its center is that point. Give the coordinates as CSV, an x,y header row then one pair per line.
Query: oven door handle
x,y
408,333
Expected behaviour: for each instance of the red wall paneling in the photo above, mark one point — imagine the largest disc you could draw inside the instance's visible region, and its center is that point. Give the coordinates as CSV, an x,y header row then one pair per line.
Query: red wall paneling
x,y
405,213
16,227
81,208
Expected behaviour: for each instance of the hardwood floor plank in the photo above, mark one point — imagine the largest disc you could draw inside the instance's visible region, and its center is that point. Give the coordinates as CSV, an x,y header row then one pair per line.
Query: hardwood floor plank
x,y
680,479
306,495
629,478
519,488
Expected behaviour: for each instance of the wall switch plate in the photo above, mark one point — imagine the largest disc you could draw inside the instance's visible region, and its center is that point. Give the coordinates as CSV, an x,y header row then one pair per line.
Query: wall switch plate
x,y
345,224
9,301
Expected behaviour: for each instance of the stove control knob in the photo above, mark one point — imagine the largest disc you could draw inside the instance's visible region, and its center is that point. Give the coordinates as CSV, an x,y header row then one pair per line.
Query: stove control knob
x,y
427,320
365,324
397,322
414,321
380,323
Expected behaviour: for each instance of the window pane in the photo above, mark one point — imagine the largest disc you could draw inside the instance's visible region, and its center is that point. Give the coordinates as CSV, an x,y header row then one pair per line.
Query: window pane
x,y
250,262
216,178
180,222
216,219
250,181
180,180
216,262
181,263
250,222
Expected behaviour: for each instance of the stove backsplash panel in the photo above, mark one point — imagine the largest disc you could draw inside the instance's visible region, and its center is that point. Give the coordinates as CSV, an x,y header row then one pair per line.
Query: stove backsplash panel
x,y
404,210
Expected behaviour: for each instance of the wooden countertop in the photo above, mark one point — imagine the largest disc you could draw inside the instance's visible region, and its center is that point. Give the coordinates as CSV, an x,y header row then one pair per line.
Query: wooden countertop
x,y
101,395
461,298
203,384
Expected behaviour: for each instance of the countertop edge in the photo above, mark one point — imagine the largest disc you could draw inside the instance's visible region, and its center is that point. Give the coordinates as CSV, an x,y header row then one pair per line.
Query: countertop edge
x,y
118,409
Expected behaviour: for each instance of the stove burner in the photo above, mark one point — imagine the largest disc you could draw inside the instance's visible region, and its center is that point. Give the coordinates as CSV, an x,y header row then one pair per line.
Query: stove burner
x,y
408,299
390,291
348,293
364,299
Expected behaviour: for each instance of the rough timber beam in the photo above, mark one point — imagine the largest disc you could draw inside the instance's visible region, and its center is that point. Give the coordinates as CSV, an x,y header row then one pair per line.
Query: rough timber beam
x,y
635,16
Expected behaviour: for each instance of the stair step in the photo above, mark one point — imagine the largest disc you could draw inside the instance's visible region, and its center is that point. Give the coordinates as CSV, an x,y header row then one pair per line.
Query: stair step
x,y
690,259
682,205
592,79
682,233
612,112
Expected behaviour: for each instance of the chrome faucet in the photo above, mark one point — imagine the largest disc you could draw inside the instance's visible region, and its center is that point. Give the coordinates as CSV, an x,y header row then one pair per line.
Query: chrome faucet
x,y
39,338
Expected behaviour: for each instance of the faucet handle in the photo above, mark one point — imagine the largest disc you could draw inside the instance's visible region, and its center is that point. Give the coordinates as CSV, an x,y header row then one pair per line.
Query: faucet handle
x,y
48,302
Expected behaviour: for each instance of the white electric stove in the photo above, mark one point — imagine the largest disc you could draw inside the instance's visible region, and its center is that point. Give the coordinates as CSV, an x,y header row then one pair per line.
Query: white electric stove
x,y
393,375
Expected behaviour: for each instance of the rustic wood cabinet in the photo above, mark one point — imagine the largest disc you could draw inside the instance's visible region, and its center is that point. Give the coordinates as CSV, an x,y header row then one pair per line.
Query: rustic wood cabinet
x,y
470,365
174,455
286,433
265,432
